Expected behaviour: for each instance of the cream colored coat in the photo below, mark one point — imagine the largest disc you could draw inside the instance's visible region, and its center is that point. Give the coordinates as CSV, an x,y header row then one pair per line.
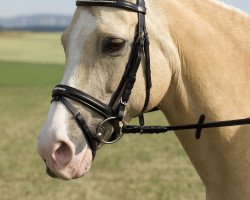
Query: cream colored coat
x,y
200,52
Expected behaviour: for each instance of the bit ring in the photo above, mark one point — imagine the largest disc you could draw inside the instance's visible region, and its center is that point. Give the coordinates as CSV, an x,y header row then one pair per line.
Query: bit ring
x,y
100,130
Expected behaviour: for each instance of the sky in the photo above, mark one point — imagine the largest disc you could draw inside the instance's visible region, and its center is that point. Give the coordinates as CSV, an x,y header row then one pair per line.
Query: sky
x,y
9,8
27,7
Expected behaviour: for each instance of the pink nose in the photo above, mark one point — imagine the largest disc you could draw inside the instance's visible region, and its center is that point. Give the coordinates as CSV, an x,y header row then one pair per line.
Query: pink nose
x,y
56,152
62,153
62,145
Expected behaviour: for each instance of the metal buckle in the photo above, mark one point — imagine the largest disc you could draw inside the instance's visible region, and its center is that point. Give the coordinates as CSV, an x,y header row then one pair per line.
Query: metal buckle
x,y
100,134
123,103
76,114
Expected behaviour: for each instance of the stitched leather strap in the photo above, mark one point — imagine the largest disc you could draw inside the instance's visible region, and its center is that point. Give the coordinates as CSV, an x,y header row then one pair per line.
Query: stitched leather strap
x,y
113,3
130,79
83,98
140,46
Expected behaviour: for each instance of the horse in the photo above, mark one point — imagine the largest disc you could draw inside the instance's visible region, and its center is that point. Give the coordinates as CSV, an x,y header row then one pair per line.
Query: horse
x,y
200,63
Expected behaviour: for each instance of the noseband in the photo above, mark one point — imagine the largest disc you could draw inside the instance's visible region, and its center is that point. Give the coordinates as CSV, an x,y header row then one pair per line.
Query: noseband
x,y
113,113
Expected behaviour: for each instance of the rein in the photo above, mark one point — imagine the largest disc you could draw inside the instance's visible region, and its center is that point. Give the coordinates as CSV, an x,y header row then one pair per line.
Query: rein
x,y
199,126
113,113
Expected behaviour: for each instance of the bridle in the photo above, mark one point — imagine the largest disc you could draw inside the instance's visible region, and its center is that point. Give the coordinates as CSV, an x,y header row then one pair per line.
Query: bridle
x,y
113,113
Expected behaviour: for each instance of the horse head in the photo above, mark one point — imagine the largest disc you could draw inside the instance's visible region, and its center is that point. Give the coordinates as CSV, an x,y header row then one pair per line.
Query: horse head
x,y
98,45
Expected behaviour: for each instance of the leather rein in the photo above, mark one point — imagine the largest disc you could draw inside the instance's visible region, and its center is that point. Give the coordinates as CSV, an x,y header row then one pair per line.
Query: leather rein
x,y
113,113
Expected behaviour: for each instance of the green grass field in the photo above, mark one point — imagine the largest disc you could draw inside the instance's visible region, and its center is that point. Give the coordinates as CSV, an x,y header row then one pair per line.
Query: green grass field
x,y
136,168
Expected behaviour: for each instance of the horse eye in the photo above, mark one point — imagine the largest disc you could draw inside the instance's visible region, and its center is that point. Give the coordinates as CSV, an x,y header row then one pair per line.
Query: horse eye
x,y
112,45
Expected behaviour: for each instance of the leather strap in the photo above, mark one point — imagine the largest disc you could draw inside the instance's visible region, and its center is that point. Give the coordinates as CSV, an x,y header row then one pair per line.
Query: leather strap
x,y
199,126
83,98
140,46
130,80
113,3
147,71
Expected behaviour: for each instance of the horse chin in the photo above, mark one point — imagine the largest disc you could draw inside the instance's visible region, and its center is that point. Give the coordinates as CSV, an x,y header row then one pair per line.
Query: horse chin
x,y
84,167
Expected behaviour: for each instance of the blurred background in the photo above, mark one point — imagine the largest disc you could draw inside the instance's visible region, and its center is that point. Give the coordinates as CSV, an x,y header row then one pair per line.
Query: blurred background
x,y
31,63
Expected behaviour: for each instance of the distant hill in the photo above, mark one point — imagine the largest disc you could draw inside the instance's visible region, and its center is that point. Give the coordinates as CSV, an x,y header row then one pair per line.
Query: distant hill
x,y
36,23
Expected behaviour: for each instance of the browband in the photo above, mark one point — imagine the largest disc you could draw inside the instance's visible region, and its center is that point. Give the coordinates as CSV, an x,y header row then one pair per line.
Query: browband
x,y
113,3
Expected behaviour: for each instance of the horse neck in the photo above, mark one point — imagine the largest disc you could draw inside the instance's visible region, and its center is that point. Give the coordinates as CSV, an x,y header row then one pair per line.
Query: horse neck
x,y
212,43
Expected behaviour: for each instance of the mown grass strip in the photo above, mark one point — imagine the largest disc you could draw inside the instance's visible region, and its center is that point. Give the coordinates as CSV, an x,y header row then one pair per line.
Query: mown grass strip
x,y
31,47
29,74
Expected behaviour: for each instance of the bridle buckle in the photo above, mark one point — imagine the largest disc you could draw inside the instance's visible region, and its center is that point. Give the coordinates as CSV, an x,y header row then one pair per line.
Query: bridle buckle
x,y
76,114
123,102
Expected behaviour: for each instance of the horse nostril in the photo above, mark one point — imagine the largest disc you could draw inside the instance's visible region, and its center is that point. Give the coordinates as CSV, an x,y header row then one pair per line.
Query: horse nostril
x,y
50,173
63,153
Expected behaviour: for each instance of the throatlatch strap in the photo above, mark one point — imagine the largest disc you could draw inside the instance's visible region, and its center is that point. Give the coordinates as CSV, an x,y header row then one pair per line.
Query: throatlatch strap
x,y
147,71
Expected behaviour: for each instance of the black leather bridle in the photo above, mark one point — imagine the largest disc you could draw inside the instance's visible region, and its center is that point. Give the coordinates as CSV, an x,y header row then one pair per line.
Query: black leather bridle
x,y
113,113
